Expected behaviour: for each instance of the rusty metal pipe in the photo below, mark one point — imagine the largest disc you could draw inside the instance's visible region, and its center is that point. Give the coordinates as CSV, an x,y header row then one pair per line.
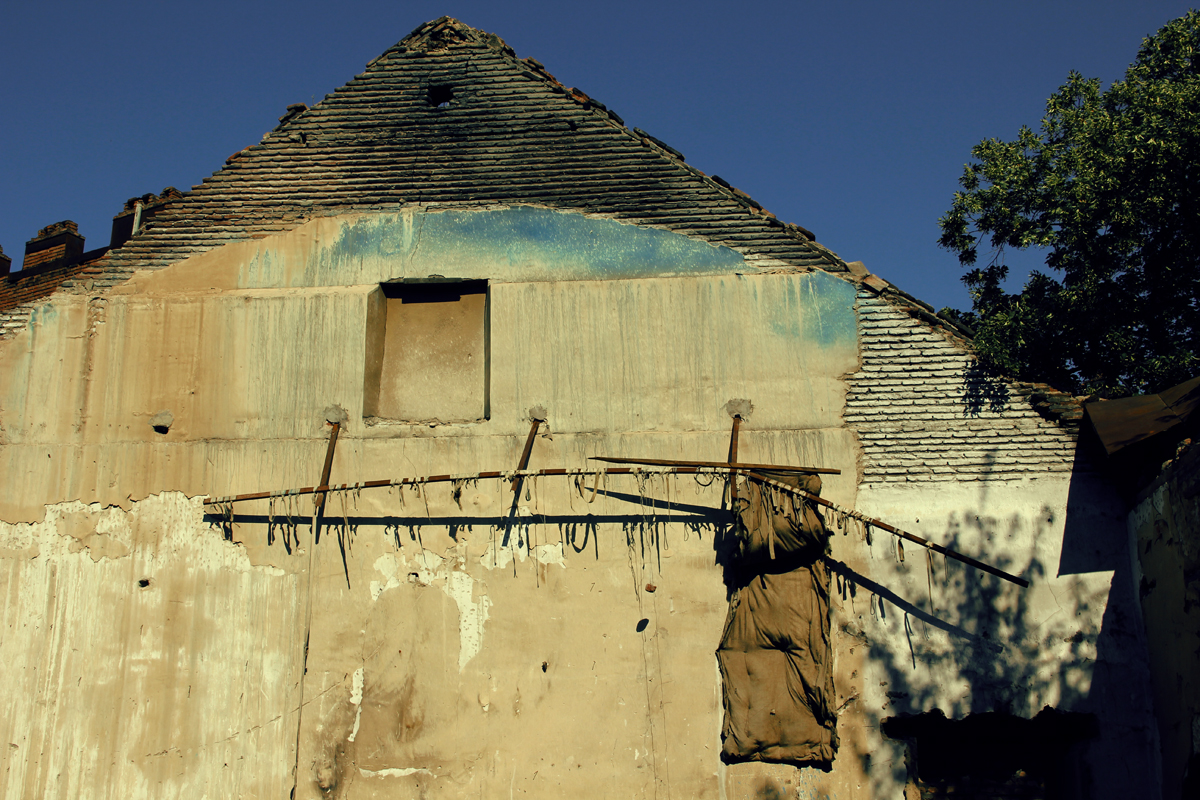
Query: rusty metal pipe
x,y
718,469
732,464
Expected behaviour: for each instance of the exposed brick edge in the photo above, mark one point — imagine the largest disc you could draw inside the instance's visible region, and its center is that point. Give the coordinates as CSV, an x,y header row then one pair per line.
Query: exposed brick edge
x,y
918,419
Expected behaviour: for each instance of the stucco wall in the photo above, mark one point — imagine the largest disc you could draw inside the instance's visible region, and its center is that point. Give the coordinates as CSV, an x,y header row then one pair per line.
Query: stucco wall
x,y
452,651
1165,549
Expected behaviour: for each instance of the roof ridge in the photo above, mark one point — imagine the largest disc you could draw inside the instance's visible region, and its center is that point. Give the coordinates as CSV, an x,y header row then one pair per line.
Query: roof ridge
x,y
443,32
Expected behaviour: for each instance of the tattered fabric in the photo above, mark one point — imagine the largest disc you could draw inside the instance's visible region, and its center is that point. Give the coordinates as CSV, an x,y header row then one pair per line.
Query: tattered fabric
x,y
775,656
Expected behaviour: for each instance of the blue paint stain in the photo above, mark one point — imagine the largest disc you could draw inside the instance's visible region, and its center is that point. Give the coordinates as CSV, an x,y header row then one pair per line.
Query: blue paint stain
x,y
527,244
538,243
42,314
816,308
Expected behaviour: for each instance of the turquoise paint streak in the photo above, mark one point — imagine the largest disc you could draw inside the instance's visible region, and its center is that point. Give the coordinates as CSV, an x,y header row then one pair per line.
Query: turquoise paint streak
x,y
829,318
16,393
526,244
817,309
513,244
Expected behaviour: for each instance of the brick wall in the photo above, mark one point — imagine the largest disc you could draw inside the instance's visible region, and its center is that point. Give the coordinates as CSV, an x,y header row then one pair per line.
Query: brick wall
x,y
924,413
44,256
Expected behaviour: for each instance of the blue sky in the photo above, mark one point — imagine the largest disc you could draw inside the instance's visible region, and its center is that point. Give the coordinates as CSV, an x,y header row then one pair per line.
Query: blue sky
x,y
851,119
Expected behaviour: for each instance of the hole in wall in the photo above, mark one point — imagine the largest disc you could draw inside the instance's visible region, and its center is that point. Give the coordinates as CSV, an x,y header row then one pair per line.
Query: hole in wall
x,y
162,421
427,352
994,754
440,96
144,582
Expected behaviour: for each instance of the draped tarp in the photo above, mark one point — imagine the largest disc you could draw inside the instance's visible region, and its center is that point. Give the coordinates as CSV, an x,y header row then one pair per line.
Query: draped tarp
x,y
775,656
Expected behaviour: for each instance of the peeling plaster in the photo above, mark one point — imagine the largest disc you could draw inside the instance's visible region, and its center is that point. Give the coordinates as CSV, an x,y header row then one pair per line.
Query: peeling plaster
x,y
356,696
393,772
429,569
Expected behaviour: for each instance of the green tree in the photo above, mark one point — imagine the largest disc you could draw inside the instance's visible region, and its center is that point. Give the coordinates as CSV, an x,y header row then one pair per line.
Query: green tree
x,y
1108,188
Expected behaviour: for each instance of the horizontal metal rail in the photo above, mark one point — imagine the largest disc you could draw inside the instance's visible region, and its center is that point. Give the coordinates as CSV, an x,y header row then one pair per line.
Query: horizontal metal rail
x,y
912,537
721,471
726,465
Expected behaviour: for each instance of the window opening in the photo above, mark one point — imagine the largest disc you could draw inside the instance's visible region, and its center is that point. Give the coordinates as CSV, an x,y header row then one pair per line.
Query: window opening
x,y
427,351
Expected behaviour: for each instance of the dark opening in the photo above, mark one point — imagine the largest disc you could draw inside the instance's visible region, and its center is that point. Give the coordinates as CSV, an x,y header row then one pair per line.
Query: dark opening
x,y
440,96
994,755
432,291
144,582
161,428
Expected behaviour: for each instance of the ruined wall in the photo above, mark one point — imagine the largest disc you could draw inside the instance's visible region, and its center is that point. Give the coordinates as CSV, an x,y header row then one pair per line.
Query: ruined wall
x,y
961,458
144,657
458,645
1166,556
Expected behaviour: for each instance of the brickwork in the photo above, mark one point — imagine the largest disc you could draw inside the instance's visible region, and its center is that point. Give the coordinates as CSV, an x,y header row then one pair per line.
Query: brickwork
x,y
923,413
44,256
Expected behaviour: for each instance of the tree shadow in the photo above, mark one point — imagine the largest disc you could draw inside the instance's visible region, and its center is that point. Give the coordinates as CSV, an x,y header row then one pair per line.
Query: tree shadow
x,y
973,644
982,391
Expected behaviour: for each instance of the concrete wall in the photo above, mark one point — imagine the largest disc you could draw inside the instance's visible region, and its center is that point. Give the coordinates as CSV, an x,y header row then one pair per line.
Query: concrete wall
x,y
1165,544
451,650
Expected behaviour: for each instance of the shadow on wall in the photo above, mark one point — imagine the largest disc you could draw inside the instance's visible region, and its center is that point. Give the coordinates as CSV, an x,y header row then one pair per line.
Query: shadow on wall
x,y
982,391
977,644
1011,650
578,533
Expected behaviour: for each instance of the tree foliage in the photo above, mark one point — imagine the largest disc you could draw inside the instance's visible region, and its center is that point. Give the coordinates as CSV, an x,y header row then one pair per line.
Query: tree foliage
x,y
1108,188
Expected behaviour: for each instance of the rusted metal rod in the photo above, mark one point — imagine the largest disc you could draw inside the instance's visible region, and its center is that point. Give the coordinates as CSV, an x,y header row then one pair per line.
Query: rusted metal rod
x,y
327,466
937,548
473,476
720,469
731,464
733,448
524,463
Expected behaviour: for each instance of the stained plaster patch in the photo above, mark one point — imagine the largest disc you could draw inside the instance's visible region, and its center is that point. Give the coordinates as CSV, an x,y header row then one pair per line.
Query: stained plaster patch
x,y
428,569
158,525
393,772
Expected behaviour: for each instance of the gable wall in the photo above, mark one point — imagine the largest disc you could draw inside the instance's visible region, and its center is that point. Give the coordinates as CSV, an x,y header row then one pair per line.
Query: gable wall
x,y
428,620
446,658
426,639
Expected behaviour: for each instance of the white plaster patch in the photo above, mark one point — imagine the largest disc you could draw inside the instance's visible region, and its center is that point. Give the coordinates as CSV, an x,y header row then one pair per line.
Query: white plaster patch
x,y
460,587
356,695
153,527
499,556
550,554
393,772
427,569
388,566
430,567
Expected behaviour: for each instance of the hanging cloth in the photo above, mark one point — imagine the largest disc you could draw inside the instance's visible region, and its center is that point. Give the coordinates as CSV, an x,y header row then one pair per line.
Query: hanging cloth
x,y
775,656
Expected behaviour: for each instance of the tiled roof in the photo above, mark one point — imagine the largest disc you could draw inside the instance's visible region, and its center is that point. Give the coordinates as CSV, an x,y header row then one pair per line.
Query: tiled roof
x,y
509,134
27,285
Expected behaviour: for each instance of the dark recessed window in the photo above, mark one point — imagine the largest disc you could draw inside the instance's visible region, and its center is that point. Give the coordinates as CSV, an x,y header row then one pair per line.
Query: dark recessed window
x,y
440,96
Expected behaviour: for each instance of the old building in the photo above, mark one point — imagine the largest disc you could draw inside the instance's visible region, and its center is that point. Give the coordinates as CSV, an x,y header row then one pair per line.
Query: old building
x,y
449,258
